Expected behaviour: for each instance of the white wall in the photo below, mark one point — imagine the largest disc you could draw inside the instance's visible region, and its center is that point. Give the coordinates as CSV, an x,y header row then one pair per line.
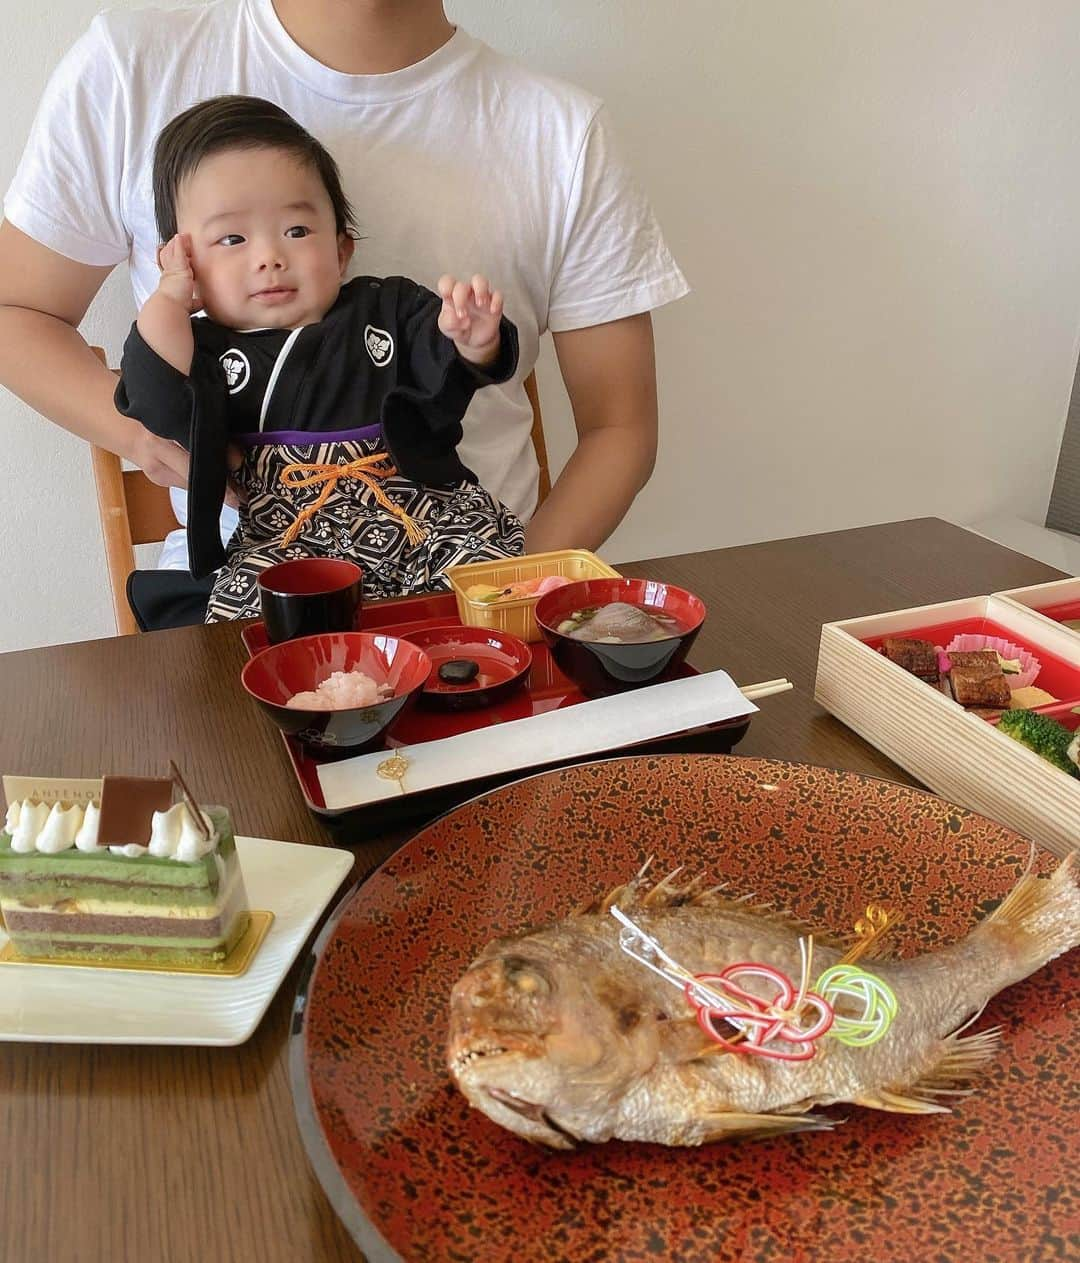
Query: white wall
x,y
877,205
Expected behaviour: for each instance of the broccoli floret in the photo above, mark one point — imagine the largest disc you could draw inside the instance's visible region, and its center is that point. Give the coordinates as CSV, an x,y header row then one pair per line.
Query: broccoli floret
x,y
1049,739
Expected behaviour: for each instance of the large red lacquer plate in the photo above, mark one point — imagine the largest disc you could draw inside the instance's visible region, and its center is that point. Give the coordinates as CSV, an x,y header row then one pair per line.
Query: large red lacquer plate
x,y
415,1173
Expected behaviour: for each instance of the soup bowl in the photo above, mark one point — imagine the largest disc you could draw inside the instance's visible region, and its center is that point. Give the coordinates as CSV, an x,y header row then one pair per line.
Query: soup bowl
x,y
277,674
599,667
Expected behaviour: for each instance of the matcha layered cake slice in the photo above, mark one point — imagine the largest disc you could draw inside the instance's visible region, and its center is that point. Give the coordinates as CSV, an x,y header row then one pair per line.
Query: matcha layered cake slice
x,y
137,878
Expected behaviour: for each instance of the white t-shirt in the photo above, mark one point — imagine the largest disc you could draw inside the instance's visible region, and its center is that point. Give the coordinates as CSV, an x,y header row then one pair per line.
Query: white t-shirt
x,y
465,162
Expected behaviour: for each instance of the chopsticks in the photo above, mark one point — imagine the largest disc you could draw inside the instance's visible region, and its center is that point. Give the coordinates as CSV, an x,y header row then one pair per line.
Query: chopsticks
x,y
755,692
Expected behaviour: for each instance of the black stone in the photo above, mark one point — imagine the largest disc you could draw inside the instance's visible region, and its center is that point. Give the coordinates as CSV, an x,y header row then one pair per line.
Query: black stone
x,y
459,671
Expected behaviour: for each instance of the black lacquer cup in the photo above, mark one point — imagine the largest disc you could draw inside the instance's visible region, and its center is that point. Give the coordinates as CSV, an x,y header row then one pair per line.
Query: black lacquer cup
x,y
310,596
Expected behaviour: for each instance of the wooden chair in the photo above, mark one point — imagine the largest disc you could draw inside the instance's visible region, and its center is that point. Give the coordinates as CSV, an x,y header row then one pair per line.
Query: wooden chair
x,y
133,510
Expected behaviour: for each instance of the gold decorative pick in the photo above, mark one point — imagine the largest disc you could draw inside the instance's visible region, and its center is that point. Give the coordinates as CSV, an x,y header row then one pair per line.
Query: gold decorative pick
x,y
869,928
394,769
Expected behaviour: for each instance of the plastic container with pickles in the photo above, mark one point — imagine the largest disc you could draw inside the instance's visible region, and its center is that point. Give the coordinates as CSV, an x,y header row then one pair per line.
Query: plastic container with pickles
x,y
502,595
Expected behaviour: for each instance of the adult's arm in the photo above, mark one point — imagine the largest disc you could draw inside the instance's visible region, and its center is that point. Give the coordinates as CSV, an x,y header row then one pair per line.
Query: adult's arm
x,y
46,362
610,375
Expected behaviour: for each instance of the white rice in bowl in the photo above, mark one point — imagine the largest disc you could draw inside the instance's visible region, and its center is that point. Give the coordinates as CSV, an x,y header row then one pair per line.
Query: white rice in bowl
x,y
344,690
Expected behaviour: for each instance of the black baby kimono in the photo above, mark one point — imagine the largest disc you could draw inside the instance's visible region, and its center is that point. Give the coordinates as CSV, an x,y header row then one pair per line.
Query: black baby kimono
x,y
375,388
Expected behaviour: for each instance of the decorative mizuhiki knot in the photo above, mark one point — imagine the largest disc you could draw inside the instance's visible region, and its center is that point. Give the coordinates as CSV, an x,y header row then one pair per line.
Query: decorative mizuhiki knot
x,y
786,1023
875,999
783,1027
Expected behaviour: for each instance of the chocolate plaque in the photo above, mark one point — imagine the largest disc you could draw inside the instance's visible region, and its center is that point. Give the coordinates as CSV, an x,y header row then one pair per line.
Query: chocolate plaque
x,y
128,804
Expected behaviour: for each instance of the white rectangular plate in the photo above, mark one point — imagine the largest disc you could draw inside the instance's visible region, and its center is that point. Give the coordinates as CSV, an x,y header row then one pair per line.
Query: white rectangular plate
x,y
58,1004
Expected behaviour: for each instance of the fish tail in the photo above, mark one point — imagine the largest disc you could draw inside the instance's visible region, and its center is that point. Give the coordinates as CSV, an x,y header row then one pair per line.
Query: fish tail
x,y
1039,919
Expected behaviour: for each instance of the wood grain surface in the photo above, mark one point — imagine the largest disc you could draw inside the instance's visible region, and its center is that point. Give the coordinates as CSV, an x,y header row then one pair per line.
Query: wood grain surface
x,y
186,1155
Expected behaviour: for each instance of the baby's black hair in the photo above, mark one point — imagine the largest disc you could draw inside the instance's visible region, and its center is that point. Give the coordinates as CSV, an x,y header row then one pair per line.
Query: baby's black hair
x,y
236,122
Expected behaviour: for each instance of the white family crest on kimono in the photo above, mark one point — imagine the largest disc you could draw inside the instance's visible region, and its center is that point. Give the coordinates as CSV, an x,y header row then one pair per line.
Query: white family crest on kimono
x,y
237,369
380,345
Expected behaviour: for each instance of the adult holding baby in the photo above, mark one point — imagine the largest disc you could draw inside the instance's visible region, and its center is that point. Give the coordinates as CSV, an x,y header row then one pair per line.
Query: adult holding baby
x,y
462,162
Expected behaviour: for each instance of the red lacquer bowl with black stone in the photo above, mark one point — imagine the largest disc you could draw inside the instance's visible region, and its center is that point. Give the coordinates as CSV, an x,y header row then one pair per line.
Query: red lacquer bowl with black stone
x,y
471,667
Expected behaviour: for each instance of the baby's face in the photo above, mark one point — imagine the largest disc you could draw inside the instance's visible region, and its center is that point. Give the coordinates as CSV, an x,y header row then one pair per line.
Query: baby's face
x,y
264,246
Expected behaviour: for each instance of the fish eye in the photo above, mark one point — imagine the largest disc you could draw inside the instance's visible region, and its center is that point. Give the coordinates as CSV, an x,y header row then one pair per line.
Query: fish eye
x,y
525,976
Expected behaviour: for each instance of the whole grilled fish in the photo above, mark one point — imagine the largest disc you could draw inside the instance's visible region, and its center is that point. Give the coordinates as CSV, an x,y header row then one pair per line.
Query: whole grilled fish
x,y
561,1036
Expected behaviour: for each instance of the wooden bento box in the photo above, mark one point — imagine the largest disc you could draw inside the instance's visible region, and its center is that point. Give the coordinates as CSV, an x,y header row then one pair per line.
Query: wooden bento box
x,y
1058,601
955,752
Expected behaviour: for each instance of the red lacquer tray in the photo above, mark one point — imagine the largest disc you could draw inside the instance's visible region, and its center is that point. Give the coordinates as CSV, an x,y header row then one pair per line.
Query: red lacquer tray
x,y
416,1174
547,689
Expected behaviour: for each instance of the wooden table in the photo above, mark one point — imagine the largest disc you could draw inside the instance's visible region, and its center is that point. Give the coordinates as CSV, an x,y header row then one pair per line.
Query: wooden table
x,y
193,1154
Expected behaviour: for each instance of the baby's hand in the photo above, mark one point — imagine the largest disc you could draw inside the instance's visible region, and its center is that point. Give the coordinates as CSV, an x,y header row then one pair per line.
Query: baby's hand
x,y
470,317
177,276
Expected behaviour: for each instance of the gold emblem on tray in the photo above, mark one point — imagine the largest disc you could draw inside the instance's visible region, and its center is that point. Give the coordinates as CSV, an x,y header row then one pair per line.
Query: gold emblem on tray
x,y
394,769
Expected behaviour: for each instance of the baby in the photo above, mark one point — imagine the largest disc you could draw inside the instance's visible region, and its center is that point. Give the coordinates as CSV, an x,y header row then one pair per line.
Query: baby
x,y
338,406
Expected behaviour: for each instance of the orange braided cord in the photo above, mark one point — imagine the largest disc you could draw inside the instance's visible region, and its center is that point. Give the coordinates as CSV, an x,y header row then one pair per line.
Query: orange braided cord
x,y
369,470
